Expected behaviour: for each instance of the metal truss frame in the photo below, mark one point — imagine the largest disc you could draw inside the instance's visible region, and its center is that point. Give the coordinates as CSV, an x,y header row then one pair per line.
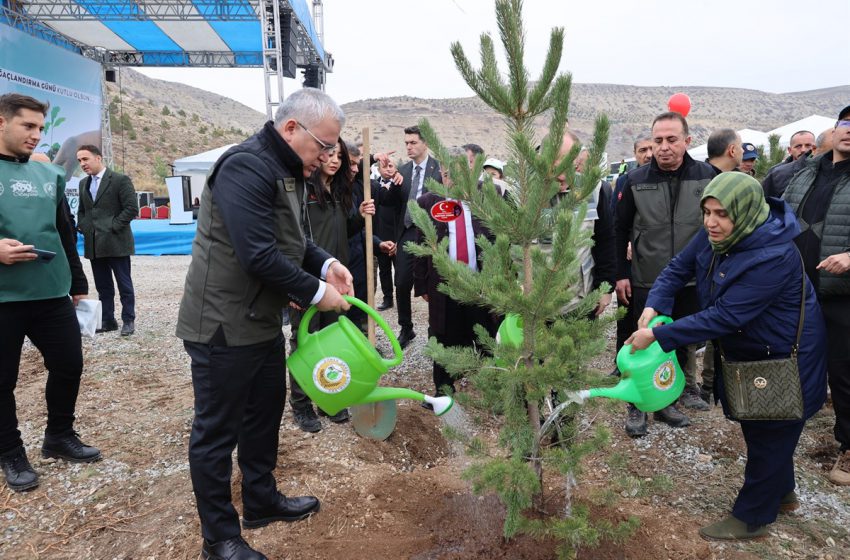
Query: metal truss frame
x,y
141,10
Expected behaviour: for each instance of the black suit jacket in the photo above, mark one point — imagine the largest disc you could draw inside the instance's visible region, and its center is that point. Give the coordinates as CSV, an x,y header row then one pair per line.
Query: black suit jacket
x,y
105,221
400,194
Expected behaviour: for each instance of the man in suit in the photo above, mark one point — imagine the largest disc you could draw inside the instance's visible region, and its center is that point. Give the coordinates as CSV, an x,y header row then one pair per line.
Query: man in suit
x,y
449,321
386,227
108,204
415,174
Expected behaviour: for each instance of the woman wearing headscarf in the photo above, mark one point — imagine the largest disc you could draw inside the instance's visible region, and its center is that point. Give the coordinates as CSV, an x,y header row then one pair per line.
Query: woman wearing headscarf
x,y
749,279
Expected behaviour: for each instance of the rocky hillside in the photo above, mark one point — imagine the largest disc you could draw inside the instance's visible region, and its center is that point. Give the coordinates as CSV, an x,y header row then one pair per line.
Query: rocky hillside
x,y
155,121
630,110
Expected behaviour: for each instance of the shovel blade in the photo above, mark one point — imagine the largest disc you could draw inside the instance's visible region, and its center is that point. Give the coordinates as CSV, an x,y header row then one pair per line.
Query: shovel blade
x,y
374,420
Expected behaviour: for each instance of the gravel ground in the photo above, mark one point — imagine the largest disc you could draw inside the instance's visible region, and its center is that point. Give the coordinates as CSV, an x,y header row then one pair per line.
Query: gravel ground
x,y
136,404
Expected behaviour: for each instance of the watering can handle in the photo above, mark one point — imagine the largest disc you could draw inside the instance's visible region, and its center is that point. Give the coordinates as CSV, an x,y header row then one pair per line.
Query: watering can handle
x,y
398,356
659,319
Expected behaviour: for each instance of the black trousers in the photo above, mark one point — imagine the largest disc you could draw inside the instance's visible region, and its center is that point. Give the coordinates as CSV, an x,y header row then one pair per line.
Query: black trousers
x,y
104,268
51,325
460,321
385,274
836,314
239,399
298,399
625,326
404,279
769,473
687,303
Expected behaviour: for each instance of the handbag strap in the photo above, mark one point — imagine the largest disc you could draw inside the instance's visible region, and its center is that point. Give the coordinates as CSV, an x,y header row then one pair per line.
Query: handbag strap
x,y
795,348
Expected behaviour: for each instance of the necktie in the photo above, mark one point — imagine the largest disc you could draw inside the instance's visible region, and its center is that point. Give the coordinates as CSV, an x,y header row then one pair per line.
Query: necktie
x,y
461,249
414,193
417,174
93,187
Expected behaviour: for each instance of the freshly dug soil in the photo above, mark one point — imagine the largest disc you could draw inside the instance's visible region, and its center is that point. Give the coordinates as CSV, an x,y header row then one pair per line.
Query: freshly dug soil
x,y
395,499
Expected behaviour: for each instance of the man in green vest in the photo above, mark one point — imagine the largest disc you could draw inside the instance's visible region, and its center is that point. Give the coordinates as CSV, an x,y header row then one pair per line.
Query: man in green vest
x,y
820,195
249,261
41,280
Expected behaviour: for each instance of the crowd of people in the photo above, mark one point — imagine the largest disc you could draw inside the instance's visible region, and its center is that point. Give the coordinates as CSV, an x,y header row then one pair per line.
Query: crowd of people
x,y
281,227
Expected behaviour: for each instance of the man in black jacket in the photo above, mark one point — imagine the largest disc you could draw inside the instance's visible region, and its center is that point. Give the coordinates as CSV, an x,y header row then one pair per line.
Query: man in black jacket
x,y
249,260
415,174
108,204
659,213
801,146
820,196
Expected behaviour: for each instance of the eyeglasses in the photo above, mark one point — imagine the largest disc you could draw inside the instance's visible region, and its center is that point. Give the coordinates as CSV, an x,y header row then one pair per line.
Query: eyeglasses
x,y
842,122
326,148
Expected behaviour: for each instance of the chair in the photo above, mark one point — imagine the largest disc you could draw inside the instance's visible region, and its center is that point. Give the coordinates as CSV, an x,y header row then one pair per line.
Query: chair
x,y
162,212
145,213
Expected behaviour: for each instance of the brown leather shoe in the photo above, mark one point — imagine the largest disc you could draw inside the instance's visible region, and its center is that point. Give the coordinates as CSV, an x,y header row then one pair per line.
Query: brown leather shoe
x,y
840,473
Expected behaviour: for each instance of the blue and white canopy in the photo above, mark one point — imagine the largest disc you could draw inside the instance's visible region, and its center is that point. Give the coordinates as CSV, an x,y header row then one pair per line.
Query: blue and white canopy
x,y
204,33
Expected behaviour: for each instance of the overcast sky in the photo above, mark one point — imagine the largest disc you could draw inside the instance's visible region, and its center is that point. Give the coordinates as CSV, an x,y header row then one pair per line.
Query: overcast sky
x,y
401,47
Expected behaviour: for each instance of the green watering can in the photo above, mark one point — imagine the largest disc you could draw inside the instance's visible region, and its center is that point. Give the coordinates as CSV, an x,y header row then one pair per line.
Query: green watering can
x,y
337,367
651,378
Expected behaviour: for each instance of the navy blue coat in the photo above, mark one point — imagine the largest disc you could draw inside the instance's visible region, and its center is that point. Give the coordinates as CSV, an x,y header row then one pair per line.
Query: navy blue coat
x,y
754,306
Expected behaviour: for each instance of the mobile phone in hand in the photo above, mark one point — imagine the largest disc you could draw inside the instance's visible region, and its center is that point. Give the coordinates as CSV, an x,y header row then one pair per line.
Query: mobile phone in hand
x,y
43,255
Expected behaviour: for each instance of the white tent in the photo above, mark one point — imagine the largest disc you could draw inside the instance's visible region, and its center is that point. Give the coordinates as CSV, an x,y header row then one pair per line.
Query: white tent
x,y
197,166
814,123
757,137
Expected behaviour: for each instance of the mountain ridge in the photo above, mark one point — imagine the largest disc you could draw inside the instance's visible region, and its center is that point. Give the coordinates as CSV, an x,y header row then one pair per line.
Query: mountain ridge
x,y
156,121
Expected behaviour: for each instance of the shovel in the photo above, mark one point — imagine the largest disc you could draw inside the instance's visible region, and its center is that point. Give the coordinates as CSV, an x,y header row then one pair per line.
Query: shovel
x,y
373,420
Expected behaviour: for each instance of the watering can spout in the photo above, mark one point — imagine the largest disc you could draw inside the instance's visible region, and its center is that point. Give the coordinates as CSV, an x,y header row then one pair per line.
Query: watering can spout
x,y
440,405
623,391
390,393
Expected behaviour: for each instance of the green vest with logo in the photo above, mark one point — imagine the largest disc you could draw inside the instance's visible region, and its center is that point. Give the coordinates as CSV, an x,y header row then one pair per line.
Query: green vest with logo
x,y
833,232
30,194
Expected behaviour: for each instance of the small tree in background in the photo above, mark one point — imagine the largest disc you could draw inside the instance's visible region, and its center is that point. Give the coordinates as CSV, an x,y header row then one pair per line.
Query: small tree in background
x,y
525,278
775,157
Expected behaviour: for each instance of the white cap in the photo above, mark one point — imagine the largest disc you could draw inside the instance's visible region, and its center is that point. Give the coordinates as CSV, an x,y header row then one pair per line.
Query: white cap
x,y
495,163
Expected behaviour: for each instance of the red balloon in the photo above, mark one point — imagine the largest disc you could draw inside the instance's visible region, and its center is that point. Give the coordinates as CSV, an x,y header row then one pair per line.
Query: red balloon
x,y
679,103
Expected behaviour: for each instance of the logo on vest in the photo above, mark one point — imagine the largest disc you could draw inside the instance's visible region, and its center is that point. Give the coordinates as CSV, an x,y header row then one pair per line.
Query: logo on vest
x,y
49,189
23,188
698,190
331,375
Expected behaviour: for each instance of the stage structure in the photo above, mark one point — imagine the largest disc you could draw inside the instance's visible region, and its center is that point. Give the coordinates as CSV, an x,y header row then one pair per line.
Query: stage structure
x,y
279,36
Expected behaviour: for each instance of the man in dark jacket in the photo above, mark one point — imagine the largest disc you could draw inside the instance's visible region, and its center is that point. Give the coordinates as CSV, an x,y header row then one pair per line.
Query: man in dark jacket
x,y
659,213
249,260
415,174
820,196
628,324
386,224
725,150
108,204
800,146
34,291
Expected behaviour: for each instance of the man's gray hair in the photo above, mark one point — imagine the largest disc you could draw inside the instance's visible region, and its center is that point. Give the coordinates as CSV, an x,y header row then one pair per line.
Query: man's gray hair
x,y
309,106
645,137
822,138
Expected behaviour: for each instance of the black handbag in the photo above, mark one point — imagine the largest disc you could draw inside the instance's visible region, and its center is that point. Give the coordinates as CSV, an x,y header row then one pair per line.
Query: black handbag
x,y
765,389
